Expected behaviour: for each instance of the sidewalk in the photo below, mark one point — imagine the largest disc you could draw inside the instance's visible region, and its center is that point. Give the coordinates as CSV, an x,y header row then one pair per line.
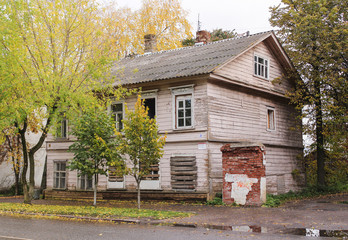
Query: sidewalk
x,y
325,213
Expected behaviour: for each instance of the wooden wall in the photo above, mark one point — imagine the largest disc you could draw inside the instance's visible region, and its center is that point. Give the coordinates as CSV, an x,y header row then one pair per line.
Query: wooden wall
x,y
225,111
241,70
178,143
237,113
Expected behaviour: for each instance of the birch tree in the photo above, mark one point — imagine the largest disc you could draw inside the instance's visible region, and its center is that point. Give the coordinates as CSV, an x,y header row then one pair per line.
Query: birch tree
x,y
166,19
53,58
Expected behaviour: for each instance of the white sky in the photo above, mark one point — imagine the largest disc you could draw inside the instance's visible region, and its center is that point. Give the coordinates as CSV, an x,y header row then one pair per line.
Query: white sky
x,y
241,15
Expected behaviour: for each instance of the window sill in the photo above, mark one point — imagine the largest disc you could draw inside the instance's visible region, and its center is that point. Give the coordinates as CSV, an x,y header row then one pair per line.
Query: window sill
x,y
62,139
263,78
184,129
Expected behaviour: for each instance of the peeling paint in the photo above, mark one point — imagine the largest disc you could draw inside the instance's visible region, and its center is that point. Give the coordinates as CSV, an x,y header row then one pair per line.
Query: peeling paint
x,y
241,186
263,188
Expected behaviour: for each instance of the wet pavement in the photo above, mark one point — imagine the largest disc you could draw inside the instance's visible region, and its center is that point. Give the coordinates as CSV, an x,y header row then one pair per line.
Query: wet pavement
x,y
325,216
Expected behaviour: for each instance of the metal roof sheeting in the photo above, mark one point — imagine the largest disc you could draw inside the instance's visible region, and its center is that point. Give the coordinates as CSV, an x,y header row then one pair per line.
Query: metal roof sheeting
x,y
183,62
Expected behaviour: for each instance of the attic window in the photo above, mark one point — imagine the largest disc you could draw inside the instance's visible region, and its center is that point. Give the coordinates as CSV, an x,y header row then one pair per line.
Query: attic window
x,y
261,66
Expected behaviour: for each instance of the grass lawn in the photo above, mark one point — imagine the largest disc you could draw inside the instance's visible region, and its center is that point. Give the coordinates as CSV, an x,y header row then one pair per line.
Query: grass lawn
x,y
87,211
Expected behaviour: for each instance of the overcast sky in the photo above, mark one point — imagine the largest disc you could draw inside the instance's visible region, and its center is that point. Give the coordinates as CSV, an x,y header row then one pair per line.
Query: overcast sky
x,y
241,15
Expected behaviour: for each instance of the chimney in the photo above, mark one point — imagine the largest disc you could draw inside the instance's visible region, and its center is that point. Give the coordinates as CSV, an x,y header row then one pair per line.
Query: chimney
x,y
203,37
150,43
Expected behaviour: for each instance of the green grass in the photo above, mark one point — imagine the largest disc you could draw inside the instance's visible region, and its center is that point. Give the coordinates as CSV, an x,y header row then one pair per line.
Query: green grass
x,y
309,192
88,211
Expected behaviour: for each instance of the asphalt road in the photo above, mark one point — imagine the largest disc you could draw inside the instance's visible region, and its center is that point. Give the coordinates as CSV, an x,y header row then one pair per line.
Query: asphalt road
x,y
40,229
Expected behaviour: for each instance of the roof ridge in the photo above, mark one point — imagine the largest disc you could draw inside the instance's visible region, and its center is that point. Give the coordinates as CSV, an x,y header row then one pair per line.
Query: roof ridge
x,y
195,46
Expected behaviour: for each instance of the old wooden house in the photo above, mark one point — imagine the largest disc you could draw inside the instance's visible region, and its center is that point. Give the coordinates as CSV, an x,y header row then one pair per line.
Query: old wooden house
x,y
230,91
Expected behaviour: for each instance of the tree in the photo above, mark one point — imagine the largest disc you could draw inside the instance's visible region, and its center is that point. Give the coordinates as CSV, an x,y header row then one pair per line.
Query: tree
x,y
314,34
54,56
11,151
141,142
215,35
219,34
166,19
95,149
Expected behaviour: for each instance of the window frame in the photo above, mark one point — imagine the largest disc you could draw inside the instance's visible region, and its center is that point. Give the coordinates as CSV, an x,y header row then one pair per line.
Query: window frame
x,y
268,119
266,66
111,112
185,92
59,177
84,177
63,132
151,94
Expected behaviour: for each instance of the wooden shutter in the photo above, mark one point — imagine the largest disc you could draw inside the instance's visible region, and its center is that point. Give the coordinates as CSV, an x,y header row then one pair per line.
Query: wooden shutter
x,y
183,173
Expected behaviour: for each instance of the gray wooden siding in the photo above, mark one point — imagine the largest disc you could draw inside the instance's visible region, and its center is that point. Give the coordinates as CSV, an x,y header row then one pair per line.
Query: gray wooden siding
x,y
178,142
234,115
241,70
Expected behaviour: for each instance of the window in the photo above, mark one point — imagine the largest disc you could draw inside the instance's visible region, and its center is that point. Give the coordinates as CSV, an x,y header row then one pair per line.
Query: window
x,y
117,115
85,182
183,107
59,175
62,130
270,119
150,104
183,172
113,176
149,100
261,67
184,111
153,174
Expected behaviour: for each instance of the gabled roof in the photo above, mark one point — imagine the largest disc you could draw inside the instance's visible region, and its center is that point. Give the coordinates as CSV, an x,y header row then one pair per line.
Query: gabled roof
x,y
183,62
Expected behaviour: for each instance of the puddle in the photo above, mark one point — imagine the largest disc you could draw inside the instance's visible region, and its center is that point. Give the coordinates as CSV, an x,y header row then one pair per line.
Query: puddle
x,y
252,228
308,232
311,232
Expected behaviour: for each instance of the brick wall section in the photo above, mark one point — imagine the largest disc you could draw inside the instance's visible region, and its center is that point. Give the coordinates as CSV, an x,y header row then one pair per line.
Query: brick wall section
x,y
243,170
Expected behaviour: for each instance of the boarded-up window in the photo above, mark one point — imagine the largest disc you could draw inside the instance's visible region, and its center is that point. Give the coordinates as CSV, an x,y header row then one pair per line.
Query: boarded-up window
x,y
113,176
183,173
153,174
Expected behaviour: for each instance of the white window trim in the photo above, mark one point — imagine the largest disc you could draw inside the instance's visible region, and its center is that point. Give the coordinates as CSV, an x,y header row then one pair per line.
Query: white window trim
x,y
268,66
178,91
274,119
150,94
123,108
66,174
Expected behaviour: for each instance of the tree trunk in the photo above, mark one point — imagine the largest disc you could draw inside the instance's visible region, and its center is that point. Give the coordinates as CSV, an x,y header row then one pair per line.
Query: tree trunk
x,y
138,188
31,174
319,136
17,168
95,190
16,172
27,198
